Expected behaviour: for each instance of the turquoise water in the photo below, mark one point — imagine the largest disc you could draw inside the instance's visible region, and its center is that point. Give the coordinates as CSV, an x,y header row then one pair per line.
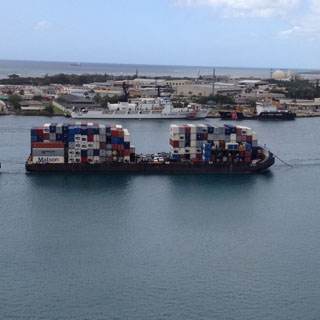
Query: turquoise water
x,y
161,246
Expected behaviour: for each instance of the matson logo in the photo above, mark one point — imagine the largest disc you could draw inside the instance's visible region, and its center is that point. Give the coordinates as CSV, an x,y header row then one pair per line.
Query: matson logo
x,y
48,159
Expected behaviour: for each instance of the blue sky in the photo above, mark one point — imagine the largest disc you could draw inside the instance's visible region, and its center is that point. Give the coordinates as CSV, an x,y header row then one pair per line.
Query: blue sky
x,y
244,33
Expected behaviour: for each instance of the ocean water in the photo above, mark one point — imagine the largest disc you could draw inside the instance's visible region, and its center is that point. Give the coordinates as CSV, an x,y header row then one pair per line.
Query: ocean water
x,y
41,68
95,246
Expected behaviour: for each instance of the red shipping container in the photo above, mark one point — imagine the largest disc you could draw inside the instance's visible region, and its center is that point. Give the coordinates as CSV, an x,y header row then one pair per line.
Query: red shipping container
x,y
241,153
248,154
120,153
114,146
247,160
120,133
249,138
126,153
244,138
46,136
181,156
204,136
187,129
83,124
230,159
96,124
114,132
90,137
40,131
239,130
72,123
108,160
103,145
47,145
222,144
84,159
120,146
174,143
199,156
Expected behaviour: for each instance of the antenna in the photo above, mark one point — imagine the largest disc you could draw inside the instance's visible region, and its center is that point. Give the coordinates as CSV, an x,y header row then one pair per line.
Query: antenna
x,y
213,80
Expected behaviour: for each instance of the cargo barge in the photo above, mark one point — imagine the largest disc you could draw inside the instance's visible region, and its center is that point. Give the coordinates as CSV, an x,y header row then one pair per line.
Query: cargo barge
x,y
82,147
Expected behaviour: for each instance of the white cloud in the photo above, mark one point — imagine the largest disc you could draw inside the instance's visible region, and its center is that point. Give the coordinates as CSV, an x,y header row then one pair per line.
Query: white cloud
x,y
43,25
302,16
245,8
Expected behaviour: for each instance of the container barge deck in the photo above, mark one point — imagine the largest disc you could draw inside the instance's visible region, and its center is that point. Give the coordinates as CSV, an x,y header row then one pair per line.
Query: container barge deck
x,y
153,167
82,147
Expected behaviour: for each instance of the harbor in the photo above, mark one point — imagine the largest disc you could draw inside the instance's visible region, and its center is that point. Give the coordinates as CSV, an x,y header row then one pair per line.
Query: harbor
x,y
105,96
231,228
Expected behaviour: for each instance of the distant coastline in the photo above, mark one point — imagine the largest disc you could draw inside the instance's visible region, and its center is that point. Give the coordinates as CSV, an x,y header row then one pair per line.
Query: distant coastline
x,y
41,68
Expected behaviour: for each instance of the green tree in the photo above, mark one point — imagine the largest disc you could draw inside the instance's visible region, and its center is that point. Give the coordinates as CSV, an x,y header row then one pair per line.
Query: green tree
x,y
49,108
14,99
97,98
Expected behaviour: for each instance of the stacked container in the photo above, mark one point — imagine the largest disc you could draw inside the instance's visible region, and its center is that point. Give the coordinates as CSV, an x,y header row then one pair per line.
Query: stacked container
x,y
81,142
210,143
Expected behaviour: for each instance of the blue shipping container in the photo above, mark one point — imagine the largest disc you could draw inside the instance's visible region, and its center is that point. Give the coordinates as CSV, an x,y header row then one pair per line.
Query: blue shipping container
x,y
84,153
210,128
71,138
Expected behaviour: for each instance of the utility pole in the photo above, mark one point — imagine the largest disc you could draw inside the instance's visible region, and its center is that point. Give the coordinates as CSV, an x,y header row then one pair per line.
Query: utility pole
x,y
213,80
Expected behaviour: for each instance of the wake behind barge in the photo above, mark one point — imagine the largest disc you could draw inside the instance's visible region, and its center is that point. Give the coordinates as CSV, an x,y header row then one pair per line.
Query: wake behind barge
x,y
82,147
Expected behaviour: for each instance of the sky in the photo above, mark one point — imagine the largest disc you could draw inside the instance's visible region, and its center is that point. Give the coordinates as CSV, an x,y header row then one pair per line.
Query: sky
x,y
232,33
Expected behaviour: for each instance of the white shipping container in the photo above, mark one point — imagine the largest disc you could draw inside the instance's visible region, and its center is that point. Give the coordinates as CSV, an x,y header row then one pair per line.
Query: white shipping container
x,y
127,137
90,145
233,137
193,128
48,159
96,159
193,150
102,129
46,128
84,138
96,145
126,159
174,150
193,143
203,128
193,156
174,129
77,137
96,137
